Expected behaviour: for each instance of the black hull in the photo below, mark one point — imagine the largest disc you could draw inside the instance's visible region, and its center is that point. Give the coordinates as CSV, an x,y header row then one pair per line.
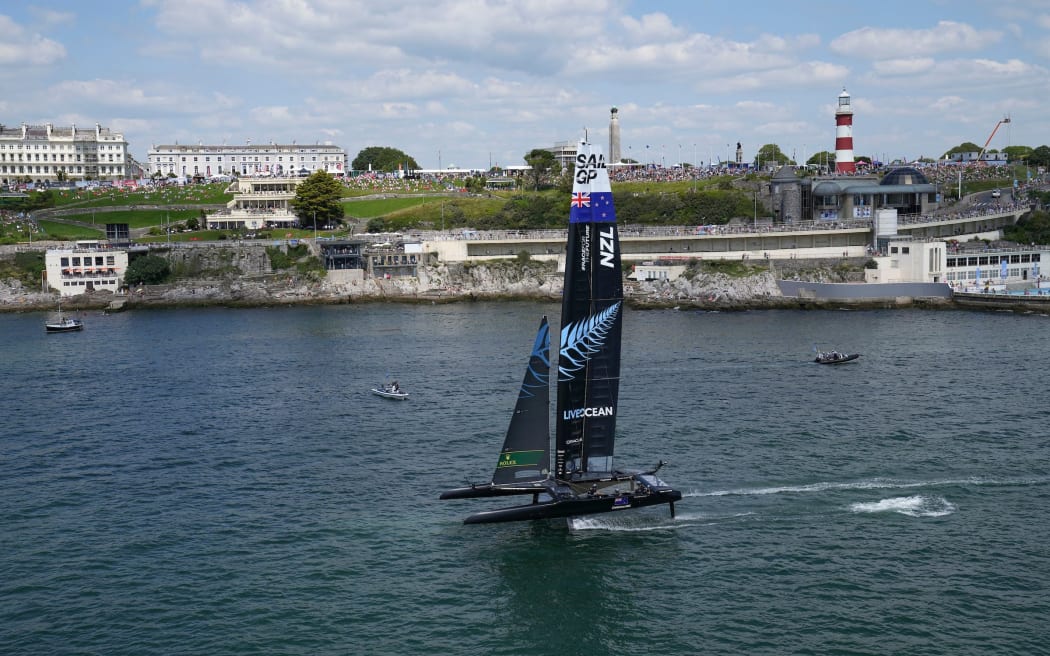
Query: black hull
x,y
575,507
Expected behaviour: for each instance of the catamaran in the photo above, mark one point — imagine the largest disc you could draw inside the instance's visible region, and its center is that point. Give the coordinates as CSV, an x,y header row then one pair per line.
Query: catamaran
x,y
583,478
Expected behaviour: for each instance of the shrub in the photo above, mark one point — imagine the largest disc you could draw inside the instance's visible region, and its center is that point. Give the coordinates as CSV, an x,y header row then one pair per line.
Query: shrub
x,y
147,270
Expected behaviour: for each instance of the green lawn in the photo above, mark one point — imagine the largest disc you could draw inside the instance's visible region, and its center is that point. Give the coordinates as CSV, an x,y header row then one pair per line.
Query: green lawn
x,y
674,186
369,209
64,231
134,218
209,194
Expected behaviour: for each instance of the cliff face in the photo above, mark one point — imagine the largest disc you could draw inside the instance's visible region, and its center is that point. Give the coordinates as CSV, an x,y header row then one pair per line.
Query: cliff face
x,y
706,287
239,274
14,296
508,278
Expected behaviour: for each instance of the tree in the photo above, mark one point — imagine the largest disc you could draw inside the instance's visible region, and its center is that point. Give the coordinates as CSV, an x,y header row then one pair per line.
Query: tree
x,y
1017,153
383,158
966,147
543,163
147,270
1040,156
1033,228
772,153
824,158
317,200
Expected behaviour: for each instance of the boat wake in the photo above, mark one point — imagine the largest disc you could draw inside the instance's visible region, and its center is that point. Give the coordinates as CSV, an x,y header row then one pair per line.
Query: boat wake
x,y
637,523
630,524
871,484
919,505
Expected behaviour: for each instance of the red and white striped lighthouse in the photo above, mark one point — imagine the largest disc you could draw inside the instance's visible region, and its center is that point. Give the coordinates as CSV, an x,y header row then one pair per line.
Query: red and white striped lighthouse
x,y
844,135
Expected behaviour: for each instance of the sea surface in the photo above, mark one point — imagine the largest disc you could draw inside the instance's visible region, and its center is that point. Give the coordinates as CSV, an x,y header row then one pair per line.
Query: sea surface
x,y
220,481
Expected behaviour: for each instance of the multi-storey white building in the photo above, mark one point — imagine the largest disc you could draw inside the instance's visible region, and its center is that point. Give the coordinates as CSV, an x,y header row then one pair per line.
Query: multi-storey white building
x,y
44,153
271,159
258,202
88,266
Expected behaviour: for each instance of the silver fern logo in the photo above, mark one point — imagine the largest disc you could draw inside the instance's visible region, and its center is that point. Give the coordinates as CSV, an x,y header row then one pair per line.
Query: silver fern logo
x,y
581,340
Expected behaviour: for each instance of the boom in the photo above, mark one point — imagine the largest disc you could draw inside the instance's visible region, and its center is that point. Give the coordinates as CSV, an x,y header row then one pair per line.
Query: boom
x,y
980,155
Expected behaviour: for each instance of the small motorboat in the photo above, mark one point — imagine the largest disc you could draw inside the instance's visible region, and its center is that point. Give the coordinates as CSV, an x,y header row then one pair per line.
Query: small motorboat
x,y
391,391
834,357
63,324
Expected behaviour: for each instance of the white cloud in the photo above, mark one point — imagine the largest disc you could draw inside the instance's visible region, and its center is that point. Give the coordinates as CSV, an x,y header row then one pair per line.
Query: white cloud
x,y
650,26
274,115
407,84
889,43
114,92
507,35
19,47
805,74
910,66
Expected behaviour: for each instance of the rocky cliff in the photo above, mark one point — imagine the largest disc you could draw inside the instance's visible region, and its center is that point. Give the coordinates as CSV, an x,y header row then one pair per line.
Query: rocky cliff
x,y
242,275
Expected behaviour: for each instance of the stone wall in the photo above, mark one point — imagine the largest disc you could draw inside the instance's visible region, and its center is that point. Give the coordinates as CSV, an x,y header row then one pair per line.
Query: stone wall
x,y
239,258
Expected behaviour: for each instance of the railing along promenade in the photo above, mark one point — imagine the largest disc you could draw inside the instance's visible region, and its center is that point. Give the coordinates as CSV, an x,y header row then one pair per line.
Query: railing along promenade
x,y
982,211
751,228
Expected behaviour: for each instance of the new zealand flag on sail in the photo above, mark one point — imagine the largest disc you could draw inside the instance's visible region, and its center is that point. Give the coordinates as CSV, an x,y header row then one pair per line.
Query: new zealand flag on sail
x,y
593,207
592,200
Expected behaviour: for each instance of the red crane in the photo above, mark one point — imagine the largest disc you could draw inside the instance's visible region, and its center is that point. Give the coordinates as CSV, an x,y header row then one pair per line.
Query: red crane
x,y
980,155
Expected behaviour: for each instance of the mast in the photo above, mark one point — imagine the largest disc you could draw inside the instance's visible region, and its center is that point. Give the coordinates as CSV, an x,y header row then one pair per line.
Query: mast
x,y
591,324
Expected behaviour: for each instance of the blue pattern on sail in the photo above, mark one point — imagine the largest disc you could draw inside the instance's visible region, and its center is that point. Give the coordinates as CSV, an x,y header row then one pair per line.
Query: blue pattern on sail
x,y
538,380
583,339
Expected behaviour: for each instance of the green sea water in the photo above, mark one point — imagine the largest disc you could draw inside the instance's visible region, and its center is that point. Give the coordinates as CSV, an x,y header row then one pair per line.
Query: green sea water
x,y
220,481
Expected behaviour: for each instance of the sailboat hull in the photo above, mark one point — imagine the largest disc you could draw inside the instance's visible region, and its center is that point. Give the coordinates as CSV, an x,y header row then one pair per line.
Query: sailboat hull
x,y
572,507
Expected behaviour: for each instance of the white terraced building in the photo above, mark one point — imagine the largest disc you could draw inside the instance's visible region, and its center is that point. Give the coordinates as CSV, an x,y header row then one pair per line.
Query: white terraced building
x,y
190,161
258,202
44,153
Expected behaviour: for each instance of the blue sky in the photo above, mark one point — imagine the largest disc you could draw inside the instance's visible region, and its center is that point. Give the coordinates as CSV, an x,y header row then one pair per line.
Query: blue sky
x,y
470,83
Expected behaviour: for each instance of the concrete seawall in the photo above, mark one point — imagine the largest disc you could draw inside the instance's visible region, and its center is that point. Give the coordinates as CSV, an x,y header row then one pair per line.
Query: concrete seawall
x,y
831,291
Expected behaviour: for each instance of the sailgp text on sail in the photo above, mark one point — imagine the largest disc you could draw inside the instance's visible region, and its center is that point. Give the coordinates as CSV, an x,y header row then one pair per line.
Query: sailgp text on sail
x,y
587,166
